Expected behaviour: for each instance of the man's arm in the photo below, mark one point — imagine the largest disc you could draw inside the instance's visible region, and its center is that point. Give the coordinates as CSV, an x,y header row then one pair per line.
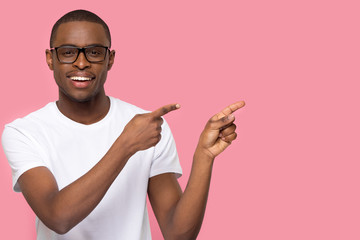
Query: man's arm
x,y
61,210
180,215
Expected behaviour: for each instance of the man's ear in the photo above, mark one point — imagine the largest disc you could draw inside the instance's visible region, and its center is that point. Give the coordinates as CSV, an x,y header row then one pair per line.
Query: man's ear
x,y
111,59
49,59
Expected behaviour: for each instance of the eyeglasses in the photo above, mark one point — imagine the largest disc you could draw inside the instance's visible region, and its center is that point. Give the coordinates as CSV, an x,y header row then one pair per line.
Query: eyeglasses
x,y
69,54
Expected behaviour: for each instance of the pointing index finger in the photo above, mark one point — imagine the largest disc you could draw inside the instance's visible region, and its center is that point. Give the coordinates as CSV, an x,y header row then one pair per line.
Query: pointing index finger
x,y
230,109
165,109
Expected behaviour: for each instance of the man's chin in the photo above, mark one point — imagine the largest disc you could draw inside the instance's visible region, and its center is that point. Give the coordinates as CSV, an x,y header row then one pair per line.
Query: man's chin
x,y
82,100
79,98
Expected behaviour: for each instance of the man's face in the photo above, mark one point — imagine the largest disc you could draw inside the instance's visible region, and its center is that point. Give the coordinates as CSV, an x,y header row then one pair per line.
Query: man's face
x,y
80,81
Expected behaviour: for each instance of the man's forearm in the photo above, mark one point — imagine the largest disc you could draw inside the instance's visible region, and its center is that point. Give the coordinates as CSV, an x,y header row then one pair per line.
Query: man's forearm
x,y
189,212
64,209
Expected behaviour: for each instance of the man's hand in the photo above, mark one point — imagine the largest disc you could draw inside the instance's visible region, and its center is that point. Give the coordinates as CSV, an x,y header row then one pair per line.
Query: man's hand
x,y
219,131
143,131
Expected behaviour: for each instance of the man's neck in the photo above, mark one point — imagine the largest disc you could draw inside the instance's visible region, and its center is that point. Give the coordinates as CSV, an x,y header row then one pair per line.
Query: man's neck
x,y
87,112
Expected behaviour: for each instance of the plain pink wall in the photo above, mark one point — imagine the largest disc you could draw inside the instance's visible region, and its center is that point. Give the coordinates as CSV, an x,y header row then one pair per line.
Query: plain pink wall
x,y
293,172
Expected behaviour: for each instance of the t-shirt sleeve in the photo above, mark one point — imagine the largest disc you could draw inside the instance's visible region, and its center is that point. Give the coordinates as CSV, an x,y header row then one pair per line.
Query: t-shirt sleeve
x,y
21,152
166,159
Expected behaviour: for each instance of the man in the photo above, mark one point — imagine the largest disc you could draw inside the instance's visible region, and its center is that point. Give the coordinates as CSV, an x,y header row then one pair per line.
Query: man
x,y
86,162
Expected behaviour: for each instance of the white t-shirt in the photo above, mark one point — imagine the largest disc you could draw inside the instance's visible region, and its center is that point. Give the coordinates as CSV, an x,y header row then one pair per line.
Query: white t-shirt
x,y
69,149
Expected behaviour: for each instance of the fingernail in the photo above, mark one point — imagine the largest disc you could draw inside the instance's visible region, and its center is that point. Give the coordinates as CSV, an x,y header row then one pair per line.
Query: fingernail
x,y
220,135
231,116
177,105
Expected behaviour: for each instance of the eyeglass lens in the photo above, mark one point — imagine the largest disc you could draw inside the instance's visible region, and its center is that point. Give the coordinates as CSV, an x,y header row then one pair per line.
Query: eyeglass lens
x,y
70,54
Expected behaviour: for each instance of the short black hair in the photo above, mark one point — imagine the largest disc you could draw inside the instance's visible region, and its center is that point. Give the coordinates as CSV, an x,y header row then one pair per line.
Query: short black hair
x,y
79,15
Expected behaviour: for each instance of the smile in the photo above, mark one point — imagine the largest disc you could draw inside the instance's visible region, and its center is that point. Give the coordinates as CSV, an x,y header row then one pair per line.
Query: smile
x,y
80,78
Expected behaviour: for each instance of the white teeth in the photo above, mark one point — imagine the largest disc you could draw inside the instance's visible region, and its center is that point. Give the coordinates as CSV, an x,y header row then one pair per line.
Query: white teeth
x,y
80,78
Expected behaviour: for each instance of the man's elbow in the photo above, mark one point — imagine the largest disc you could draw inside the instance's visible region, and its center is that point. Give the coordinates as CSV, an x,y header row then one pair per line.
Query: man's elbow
x,y
59,227
60,230
58,223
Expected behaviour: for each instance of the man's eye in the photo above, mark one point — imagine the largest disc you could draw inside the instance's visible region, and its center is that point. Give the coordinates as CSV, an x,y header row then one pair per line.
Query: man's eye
x,y
68,52
94,52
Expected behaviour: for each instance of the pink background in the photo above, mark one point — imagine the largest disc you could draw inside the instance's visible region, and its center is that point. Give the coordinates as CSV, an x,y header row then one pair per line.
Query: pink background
x,y
293,172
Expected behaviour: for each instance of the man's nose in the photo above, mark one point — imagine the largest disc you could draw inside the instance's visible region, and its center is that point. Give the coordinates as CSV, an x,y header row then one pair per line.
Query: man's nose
x,y
81,62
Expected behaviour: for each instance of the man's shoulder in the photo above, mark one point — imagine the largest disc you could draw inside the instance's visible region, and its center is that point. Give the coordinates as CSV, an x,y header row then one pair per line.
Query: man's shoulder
x,y
35,117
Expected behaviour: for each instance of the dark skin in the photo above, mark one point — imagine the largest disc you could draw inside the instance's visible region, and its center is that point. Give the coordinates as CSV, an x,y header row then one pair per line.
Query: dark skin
x,y
84,105
179,214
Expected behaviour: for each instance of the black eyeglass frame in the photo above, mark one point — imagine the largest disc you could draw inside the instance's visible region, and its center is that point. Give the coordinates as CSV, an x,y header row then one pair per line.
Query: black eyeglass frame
x,y
79,51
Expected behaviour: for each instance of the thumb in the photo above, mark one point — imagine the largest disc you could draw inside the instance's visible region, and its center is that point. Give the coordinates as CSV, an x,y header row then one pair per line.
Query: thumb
x,y
218,124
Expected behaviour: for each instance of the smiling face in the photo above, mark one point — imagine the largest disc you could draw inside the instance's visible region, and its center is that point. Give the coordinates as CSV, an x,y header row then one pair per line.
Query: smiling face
x,y
80,81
